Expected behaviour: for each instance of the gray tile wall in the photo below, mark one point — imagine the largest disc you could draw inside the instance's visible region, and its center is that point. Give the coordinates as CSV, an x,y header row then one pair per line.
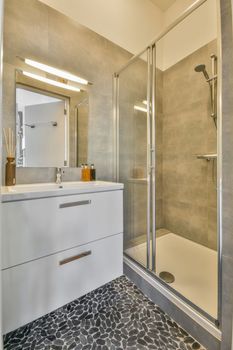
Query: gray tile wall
x,y
34,30
82,116
189,184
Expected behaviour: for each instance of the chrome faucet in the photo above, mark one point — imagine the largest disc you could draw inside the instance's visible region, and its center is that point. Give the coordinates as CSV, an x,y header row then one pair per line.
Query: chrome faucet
x,y
58,176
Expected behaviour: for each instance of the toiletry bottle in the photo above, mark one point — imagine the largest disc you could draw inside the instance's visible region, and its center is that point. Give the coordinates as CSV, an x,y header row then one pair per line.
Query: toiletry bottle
x,y
93,172
10,172
86,173
82,172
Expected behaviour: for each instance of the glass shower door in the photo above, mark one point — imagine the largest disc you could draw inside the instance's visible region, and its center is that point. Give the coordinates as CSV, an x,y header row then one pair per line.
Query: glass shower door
x,y
134,117
167,160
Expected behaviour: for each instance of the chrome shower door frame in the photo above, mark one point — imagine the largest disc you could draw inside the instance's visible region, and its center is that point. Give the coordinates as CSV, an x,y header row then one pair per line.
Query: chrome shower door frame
x,y
148,172
153,155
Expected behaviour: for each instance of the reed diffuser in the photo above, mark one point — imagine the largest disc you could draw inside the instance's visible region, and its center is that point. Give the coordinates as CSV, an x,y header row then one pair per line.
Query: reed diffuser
x,y
10,151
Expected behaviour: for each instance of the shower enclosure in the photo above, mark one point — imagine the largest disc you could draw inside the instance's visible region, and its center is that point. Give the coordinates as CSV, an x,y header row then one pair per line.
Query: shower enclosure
x,y
166,156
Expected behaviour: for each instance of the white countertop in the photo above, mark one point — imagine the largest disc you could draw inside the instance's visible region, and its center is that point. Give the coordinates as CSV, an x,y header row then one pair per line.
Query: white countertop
x,y
44,190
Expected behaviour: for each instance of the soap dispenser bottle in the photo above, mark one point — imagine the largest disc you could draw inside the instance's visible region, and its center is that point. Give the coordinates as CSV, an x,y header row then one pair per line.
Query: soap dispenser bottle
x,y
93,172
86,173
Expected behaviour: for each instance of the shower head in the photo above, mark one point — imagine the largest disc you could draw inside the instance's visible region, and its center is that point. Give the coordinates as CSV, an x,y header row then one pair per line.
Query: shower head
x,y
201,68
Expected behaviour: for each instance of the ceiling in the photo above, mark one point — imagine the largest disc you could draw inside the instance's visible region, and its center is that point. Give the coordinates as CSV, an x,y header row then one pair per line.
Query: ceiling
x,y
163,4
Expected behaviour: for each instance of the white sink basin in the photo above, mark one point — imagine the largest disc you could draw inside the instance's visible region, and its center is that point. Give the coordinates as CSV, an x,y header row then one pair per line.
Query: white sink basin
x,y
29,188
38,190
51,186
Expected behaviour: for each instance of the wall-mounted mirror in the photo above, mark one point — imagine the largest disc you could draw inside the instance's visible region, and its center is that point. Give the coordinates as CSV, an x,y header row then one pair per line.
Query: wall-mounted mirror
x,y
51,124
42,128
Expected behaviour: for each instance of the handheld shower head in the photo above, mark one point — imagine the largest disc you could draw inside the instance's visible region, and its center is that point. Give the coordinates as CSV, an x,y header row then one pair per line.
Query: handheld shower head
x,y
201,68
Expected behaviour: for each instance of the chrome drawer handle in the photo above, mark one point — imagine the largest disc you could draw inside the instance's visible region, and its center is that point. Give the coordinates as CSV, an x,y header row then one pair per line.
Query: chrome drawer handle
x,y
76,257
74,204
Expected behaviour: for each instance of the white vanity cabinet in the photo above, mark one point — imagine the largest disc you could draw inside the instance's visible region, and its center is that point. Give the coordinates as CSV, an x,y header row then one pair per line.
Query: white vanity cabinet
x,y
57,249
39,227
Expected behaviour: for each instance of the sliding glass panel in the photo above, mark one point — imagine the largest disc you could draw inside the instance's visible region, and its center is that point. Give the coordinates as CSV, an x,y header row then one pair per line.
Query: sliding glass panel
x,y
133,153
186,84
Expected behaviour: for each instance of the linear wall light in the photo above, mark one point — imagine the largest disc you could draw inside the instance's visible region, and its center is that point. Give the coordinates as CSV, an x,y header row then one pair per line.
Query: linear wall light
x,y
51,82
55,71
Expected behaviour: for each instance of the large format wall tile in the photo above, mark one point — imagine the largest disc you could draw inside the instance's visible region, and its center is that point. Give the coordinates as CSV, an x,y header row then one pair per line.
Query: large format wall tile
x,y
34,30
189,184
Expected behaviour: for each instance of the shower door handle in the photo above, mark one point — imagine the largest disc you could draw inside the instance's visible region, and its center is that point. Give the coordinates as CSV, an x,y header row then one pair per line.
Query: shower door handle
x,y
149,160
150,155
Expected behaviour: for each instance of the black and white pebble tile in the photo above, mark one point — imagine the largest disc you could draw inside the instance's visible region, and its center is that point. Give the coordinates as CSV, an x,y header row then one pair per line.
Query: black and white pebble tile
x,y
116,316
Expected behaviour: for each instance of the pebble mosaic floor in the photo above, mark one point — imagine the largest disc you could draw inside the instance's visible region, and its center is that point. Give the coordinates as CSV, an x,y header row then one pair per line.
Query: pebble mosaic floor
x,y
116,316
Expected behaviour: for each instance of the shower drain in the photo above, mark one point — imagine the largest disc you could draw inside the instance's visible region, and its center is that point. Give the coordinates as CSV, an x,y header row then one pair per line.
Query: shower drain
x,y
167,277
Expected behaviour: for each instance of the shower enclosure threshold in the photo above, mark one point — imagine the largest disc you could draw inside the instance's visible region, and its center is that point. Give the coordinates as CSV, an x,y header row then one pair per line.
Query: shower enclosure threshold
x,y
193,266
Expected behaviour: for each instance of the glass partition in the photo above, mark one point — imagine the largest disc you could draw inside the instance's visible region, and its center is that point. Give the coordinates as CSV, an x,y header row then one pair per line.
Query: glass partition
x,y
168,128
133,143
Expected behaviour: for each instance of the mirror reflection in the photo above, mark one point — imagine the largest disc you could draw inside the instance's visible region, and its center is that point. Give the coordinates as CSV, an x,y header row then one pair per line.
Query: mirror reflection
x,y
41,129
51,124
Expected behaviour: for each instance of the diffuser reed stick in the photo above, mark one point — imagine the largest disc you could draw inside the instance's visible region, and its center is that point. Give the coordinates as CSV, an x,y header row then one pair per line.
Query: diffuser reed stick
x,y
9,142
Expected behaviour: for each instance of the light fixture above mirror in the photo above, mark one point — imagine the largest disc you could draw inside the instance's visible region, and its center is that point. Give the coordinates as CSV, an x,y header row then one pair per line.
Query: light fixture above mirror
x,y
55,71
51,81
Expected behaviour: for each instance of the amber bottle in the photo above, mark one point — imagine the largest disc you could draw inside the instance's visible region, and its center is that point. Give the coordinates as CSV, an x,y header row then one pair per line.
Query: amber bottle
x,y
86,173
10,172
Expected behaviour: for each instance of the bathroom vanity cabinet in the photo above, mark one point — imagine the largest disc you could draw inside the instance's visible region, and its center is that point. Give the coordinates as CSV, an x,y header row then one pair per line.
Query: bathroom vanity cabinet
x,y
58,246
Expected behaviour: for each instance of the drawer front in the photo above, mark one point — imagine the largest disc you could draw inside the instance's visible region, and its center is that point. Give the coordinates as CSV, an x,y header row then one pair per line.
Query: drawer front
x,y
36,228
36,288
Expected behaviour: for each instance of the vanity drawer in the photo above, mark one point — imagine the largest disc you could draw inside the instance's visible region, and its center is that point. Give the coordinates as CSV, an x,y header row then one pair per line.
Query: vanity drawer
x,y
38,287
40,227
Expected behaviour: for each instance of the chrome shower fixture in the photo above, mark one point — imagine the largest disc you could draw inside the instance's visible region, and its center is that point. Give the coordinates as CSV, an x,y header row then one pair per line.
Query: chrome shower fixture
x,y
202,68
212,81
